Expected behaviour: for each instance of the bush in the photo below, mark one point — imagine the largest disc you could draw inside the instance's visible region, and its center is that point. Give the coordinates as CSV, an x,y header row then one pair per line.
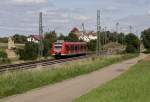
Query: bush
x,y
133,43
3,57
92,45
30,52
146,39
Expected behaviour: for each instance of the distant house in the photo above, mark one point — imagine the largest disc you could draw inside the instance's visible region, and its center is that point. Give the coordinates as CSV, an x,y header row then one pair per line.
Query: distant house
x,y
88,36
92,35
85,36
34,38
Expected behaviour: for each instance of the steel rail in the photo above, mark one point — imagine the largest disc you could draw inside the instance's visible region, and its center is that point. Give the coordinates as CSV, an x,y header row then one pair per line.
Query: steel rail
x,y
31,65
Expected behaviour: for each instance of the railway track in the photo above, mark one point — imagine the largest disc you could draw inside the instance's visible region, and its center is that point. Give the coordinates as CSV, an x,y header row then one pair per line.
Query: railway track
x,y
35,64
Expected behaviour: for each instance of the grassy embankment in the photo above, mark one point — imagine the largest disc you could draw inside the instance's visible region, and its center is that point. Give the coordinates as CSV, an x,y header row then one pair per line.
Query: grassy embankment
x,y
132,86
19,82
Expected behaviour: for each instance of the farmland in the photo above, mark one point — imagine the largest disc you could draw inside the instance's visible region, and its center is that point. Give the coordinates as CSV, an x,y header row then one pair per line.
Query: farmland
x,y
5,45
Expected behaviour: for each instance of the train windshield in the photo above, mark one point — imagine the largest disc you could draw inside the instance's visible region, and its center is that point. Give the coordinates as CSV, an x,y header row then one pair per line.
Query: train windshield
x,y
58,47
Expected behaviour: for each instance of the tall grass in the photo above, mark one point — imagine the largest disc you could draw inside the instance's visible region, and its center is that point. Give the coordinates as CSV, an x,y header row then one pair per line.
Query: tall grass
x,y
22,81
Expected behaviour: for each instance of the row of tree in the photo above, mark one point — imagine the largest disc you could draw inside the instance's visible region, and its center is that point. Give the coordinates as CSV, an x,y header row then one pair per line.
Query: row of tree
x,y
131,41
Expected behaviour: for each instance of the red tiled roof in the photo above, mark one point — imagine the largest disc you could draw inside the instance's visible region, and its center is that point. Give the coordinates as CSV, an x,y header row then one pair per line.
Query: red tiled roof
x,y
36,37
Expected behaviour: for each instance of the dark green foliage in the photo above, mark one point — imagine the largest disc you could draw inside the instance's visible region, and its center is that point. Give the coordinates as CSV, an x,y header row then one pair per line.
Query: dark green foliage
x,y
61,37
92,45
2,54
47,47
72,37
133,43
146,38
3,57
121,38
30,52
50,38
107,37
20,38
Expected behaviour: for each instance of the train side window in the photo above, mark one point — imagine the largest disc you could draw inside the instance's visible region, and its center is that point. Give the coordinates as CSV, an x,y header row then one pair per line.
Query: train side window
x,y
72,47
76,47
67,47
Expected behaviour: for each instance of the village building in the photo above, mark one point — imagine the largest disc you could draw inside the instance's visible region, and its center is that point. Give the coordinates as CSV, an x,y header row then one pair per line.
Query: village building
x,y
34,38
85,36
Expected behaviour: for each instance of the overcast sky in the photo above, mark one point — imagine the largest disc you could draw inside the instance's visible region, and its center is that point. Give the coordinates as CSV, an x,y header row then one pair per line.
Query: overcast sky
x,y
21,16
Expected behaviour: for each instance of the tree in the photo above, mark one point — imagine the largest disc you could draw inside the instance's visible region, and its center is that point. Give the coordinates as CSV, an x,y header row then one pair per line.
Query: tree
x,y
30,52
146,38
73,35
47,47
121,38
51,36
133,43
92,45
61,37
20,39
49,39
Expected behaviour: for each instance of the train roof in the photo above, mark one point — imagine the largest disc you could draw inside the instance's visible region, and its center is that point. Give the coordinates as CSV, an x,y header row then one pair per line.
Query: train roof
x,y
72,42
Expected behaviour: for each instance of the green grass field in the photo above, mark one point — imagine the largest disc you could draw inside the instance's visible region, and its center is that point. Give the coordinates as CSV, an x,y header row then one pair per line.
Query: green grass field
x,y
132,86
19,82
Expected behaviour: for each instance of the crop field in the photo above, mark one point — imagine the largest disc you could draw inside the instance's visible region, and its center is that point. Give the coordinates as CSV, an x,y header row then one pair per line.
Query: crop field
x,y
132,86
22,81
5,45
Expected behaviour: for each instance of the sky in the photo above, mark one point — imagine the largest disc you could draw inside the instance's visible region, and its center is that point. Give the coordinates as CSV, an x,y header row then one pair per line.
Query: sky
x,y
21,16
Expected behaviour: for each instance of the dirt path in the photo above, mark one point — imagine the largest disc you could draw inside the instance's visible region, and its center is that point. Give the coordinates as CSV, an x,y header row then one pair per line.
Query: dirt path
x,y
68,90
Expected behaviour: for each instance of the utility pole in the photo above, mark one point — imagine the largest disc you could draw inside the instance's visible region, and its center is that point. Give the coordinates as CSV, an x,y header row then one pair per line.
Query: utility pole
x,y
130,28
105,35
98,52
117,28
84,37
40,52
83,28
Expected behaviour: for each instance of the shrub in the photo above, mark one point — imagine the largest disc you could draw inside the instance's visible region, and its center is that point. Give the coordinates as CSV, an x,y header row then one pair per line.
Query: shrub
x,y
133,43
30,52
146,39
3,57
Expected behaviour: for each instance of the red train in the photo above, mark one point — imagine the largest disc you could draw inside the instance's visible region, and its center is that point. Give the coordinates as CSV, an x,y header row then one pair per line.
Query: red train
x,y
60,48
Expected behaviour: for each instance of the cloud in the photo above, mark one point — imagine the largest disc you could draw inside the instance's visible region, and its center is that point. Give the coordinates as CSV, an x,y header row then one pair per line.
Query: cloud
x,y
81,17
30,1
139,22
22,16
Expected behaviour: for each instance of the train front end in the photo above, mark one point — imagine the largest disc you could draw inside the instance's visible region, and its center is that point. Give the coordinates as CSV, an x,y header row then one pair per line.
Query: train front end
x,y
57,49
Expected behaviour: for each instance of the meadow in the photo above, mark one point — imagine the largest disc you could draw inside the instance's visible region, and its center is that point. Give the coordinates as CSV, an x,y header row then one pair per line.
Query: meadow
x,y
12,83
